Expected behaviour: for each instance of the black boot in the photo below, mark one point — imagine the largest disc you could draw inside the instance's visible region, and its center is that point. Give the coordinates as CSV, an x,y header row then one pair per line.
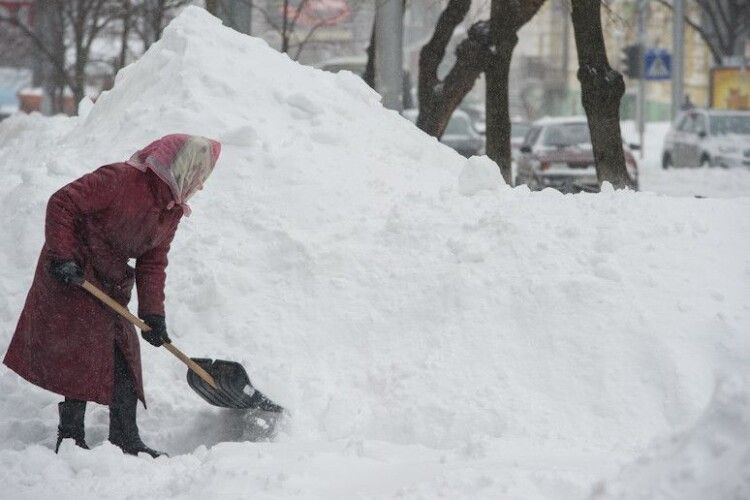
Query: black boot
x,y
123,432
71,412
123,428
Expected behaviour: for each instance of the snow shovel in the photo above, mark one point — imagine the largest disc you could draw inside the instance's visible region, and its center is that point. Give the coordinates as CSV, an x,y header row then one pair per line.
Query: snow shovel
x,y
220,383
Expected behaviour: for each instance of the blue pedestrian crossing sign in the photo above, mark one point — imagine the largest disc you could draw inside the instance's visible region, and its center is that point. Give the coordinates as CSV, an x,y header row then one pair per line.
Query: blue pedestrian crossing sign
x,y
657,64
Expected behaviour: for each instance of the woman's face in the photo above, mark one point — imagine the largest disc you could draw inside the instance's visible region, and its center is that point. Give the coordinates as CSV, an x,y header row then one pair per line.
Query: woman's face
x,y
199,187
192,166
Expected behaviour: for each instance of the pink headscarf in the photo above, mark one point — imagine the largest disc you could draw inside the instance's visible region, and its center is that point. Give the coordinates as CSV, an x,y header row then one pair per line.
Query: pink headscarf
x,y
182,161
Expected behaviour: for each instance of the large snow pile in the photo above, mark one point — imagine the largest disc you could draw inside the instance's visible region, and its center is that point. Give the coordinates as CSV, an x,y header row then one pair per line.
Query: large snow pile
x,y
709,460
432,331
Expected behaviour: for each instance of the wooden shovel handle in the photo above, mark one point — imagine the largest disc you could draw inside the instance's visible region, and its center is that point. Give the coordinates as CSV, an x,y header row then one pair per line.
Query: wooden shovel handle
x,y
123,311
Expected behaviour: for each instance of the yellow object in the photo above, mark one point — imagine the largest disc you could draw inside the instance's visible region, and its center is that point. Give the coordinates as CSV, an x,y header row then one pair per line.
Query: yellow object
x,y
730,88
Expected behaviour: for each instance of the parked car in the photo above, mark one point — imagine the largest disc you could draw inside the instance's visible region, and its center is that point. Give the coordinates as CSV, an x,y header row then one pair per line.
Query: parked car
x,y
357,65
476,113
7,111
518,131
459,133
557,153
518,127
11,81
708,138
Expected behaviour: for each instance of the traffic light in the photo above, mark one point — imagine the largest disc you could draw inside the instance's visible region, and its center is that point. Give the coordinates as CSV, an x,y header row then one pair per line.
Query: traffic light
x,y
632,61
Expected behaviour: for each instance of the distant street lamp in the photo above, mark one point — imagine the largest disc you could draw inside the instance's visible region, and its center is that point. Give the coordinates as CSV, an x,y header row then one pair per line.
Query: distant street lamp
x,y
389,56
678,51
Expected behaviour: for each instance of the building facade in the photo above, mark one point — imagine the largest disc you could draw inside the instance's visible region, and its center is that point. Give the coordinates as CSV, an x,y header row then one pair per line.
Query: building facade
x,y
546,60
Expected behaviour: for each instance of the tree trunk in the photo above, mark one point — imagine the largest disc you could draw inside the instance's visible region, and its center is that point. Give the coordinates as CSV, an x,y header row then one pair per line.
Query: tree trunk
x,y
57,47
80,53
285,28
158,18
212,6
503,25
602,89
369,75
439,98
127,13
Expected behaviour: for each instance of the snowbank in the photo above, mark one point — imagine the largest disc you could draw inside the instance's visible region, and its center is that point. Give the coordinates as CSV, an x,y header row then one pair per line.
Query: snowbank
x,y
430,335
709,460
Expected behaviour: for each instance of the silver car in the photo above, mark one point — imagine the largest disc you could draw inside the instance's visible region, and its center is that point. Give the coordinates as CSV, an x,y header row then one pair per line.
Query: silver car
x,y
708,138
459,134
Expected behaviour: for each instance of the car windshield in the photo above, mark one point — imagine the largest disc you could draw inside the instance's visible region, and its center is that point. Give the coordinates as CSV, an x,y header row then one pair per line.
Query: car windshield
x,y
569,134
730,124
518,130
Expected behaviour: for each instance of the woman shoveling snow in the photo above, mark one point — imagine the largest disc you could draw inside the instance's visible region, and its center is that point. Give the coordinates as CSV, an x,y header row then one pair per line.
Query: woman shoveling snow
x,y
66,340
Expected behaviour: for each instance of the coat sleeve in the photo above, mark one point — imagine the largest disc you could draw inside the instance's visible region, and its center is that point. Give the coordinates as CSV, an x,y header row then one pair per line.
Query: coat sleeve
x,y
151,275
91,193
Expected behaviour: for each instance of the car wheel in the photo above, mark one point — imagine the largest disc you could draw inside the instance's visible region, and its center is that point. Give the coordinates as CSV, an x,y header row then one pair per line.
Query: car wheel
x,y
666,161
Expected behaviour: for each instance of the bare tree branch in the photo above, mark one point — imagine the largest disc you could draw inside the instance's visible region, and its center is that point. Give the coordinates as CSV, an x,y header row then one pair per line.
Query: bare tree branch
x,y
433,52
301,45
41,46
728,20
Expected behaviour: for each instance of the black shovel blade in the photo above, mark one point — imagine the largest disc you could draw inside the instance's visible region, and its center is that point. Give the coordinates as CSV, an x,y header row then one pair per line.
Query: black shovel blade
x,y
234,389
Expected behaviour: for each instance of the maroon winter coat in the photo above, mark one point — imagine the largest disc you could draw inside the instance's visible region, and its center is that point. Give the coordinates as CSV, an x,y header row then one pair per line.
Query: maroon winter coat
x,y
65,338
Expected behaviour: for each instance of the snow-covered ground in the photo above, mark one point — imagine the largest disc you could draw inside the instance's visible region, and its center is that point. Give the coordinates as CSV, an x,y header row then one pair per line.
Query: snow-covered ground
x,y
433,332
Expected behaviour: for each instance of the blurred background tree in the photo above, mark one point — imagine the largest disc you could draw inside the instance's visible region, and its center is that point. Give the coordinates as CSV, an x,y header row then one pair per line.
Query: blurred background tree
x,y
724,25
75,43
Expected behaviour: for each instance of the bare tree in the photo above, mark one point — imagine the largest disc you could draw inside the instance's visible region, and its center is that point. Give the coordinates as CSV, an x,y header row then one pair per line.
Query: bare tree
x,y
602,89
148,18
126,20
369,74
66,30
16,50
487,48
85,20
724,25
506,18
287,21
213,6
80,22
439,98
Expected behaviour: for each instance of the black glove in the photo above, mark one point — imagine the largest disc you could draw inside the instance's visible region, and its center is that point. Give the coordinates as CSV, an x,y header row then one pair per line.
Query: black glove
x,y
158,333
67,272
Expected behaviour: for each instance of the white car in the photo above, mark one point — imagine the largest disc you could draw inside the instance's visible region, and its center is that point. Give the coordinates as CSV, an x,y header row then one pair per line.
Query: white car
x,y
708,138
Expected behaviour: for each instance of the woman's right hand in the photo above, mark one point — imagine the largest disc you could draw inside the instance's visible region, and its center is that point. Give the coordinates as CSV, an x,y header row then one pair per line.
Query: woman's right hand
x,y
158,333
67,272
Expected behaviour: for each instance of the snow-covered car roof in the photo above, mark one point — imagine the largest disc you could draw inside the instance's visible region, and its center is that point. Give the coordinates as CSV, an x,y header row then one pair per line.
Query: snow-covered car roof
x,y
560,120
7,109
412,114
713,111
355,64
342,60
